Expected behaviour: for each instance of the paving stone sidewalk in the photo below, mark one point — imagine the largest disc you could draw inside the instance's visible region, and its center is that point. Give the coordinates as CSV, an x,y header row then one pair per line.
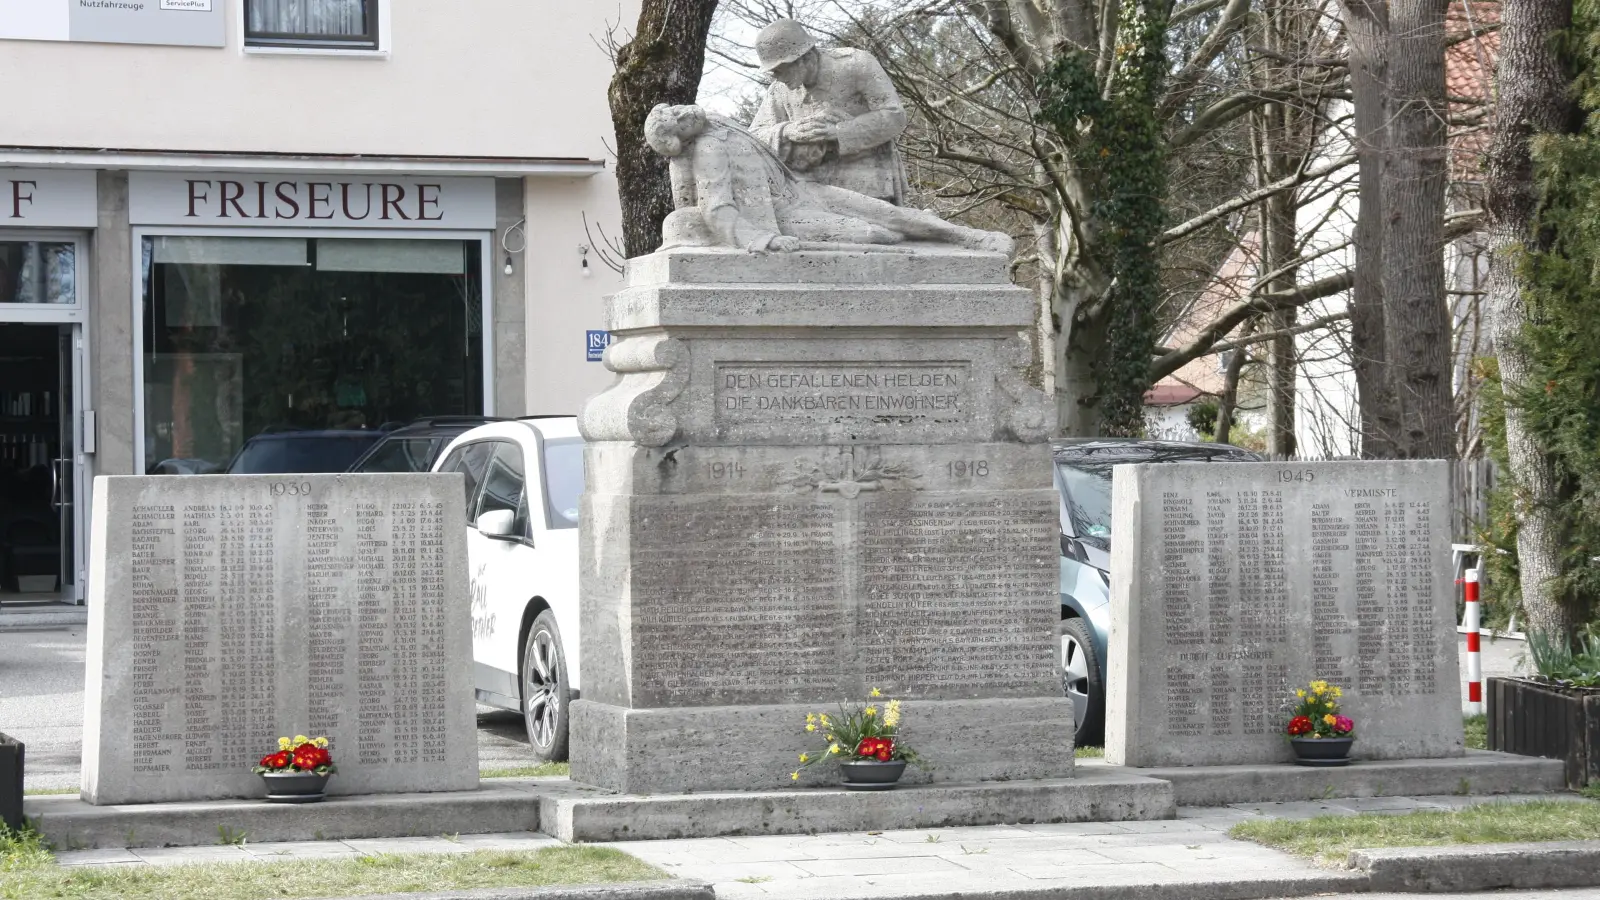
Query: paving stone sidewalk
x,y
1192,849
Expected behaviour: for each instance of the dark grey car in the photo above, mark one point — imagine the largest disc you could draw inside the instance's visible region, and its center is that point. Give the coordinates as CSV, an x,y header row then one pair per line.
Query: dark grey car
x,y
1083,480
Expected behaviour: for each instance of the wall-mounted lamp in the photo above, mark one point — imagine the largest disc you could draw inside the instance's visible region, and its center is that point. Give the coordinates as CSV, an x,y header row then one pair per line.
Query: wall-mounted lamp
x,y
583,254
505,244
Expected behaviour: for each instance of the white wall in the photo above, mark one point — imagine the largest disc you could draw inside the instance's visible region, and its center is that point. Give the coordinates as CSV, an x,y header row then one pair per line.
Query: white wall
x,y
519,78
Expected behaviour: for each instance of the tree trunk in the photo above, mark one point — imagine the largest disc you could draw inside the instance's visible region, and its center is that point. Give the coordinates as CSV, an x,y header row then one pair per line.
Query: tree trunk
x,y
1534,99
1367,28
1079,351
1278,246
1416,318
662,64
1228,403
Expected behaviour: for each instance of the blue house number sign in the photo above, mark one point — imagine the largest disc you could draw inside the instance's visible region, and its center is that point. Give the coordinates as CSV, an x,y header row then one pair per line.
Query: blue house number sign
x,y
596,344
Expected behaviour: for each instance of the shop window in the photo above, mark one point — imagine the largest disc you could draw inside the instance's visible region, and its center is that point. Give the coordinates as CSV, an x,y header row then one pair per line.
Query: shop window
x,y
246,336
312,23
36,272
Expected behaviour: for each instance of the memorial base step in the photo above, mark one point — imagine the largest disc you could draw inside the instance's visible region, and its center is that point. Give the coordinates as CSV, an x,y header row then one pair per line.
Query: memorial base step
x,y
1479,772
1093,796
500,805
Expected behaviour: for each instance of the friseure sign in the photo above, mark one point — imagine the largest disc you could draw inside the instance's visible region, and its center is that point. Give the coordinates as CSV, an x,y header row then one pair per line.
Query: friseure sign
x,y
189,23
244,200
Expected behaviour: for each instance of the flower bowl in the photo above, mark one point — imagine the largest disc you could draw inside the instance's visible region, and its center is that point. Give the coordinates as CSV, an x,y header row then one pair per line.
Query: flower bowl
x,y
295,787
864,775
1325,752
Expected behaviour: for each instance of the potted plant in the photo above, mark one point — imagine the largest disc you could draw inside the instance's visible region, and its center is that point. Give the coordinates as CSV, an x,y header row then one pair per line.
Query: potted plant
x,y
1319,735
1554,713
299,771
863,738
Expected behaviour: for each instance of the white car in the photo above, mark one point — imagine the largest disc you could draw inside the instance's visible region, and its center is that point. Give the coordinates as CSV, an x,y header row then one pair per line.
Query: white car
x,y
524,479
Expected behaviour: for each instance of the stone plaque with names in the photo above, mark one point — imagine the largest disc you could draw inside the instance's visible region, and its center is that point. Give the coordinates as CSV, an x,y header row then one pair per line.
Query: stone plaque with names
x,y
227,611
1234,584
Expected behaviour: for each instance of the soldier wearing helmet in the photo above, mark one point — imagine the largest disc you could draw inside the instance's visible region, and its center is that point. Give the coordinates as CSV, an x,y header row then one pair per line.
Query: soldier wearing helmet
x,y
831,115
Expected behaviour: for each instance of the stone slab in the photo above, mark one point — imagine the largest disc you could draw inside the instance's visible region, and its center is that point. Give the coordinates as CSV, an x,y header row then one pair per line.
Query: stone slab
x,y
839,267
684,748
837,306
633,890
1481,867
1092,797
1479,772
1235,583
501,805
230,610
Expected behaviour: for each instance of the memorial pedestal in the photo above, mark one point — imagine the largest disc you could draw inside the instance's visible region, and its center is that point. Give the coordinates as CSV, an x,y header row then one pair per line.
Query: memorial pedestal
x,y
817,474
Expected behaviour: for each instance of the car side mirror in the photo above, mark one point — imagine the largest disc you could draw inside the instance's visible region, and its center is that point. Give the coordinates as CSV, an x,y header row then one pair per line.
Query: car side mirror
x,y
497,523
1072,549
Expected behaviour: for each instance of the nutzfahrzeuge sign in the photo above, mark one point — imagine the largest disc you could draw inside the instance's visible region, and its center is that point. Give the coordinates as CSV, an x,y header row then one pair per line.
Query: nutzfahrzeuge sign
x,y
190,23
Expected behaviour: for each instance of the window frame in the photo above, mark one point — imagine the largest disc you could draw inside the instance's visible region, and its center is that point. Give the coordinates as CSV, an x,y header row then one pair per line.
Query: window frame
x,y
46,313
140,303
369,42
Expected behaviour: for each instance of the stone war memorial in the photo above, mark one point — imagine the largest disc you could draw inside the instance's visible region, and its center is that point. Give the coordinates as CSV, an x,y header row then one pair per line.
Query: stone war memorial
x,y
232,610
1234,584
819,471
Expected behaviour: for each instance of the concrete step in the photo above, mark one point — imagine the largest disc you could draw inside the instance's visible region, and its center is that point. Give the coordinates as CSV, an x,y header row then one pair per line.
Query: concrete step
x,y
17,617
1092,796
1478,772
501,805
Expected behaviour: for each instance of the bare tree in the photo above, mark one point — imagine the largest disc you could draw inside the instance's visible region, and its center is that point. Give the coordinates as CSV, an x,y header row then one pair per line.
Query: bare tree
x,y
662,63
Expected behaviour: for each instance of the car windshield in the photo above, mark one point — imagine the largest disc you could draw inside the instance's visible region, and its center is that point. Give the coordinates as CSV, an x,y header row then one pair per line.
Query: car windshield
x,y
563,481
304,454
1089,501
399,455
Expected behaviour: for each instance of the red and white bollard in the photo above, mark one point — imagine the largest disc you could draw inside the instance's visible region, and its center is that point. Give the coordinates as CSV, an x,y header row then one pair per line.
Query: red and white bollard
x,y
1471,621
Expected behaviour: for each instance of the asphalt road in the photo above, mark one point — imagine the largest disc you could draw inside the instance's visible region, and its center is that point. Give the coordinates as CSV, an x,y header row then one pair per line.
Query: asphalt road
x,y
41,704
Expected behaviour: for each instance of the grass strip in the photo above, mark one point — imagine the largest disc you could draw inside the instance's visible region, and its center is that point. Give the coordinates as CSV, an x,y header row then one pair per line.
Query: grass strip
x,y
28,872
1477,731
1329,839
1089,752
543,770
48,792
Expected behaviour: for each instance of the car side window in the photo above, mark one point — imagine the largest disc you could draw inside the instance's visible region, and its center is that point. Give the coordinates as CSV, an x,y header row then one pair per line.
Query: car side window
x,y
503,486
471,461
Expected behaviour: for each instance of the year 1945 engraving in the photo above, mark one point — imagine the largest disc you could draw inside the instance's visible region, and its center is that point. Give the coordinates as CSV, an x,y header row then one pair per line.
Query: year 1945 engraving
x,y
1291,475
968,468
291,488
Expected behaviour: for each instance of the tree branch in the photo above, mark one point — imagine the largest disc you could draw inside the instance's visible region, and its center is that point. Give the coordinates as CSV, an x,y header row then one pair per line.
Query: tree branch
x,y
1274,301
1256,196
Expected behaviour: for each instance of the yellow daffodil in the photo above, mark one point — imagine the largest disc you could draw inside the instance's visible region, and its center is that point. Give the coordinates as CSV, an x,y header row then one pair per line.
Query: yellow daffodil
x,y
811,728
321,742
300,739
891,714
1328,718
877,693
1337,692
283,743
1301,694
804,757
824,719
795,775
1319,689
870,711
810,717
833,748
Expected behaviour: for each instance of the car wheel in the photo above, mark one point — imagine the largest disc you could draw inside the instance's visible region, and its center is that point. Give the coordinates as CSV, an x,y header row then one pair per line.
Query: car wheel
x,y
1081,677
544,689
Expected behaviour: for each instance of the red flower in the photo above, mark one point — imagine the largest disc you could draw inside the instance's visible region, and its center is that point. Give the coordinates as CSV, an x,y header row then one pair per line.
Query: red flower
x,y
867,747
310,756
279,760
884,753
1299,725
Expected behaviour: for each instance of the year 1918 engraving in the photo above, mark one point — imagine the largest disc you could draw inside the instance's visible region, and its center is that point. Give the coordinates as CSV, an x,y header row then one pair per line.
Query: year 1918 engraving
x,y
968,468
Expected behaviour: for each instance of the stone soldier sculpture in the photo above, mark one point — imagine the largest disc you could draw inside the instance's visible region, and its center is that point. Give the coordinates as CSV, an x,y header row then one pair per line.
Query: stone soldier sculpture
x,y
731,190
831,115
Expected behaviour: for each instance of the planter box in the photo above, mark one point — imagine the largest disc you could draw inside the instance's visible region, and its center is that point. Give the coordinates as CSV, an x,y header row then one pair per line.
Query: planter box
x,y
1533,719
10,781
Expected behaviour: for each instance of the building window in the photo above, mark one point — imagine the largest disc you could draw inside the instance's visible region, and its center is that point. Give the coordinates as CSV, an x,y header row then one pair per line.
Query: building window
x,y
349,24
246,336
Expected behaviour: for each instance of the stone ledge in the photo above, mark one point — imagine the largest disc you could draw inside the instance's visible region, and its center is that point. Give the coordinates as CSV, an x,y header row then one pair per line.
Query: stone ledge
x,y
1091,797
503,805
1478,772
1244,886
910,310
928,264
631,890
1481,867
